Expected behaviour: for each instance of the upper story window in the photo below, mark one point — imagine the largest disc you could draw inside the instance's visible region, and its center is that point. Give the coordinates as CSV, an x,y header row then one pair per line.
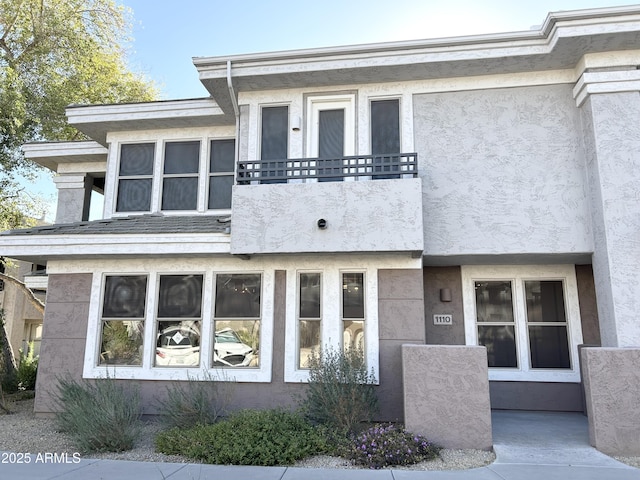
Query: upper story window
x,y
274,141
385,136
135,180
180,179
187,181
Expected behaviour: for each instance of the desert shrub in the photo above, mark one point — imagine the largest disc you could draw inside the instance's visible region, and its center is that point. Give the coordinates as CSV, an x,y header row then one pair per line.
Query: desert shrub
x,y
340,391
248,437
99,416
27,369
386,445
194,402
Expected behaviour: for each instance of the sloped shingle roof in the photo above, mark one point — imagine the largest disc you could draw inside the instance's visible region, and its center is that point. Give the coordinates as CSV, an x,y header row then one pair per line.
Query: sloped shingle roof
x,y
140,224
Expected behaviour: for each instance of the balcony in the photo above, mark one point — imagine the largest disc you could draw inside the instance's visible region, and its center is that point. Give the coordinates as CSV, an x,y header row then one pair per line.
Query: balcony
x,y
358,167
327,207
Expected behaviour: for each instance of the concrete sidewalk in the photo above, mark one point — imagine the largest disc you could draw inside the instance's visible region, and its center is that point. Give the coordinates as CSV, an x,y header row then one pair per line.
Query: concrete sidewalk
x,y
528,446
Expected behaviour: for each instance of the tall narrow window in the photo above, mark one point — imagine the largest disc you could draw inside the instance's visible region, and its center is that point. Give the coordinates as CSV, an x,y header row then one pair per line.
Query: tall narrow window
x,y
274,143
221,166
179,321
496,323
135,177
353,310
331,144
180,181
547,324
237,315
385,138
309,316
123,314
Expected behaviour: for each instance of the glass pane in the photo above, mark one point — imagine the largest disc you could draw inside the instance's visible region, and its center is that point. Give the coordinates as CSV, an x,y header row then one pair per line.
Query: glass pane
x,y
385,126
493,302
309,295
501,345
309,341
222,157
220,192
237,343
180,296
182,157
134,195
549,346
136,159
238,295
178,344
275,133
180,193
353,335
545,301
121,342
331,133
124,297
352,295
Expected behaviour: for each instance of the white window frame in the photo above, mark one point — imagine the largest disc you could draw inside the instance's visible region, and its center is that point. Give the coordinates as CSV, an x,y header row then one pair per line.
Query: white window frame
x,y
518,275
298,304
331,328
159,175
147,371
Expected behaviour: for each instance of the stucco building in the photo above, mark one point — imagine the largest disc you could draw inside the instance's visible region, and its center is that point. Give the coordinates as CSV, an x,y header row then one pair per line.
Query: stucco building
x,y
468,191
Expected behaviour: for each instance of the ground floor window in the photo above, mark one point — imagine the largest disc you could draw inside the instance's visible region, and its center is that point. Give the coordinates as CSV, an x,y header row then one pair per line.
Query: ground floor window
x,y
527,318
168,322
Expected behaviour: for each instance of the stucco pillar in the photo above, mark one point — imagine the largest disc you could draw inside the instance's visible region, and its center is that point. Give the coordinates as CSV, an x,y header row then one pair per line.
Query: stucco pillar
x,y
74,197
610,104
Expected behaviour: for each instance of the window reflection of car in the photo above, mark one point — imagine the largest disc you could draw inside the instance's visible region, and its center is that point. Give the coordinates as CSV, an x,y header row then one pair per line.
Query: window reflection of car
x,y
228,350
178,345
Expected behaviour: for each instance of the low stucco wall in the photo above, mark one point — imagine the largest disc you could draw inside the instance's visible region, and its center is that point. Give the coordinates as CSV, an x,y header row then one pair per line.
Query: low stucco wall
x,y
612,393
446,395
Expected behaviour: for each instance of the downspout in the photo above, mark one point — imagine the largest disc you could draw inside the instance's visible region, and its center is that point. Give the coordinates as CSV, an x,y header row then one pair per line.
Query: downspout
x,y
236,111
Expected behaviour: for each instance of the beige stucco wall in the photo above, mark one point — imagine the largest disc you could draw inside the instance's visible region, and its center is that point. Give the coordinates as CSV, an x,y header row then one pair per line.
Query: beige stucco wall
x,y
612,392
401,313
447,394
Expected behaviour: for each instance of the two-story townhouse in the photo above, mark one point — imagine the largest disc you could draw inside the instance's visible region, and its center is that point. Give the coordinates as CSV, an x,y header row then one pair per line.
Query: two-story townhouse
x,y
463,191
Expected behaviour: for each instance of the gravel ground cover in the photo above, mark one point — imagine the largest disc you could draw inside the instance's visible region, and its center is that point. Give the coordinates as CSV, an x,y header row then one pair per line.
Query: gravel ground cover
x,y
23,432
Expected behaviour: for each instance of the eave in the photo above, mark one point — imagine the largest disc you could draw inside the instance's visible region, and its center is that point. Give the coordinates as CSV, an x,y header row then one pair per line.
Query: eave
x,y
96,121
560,43
52,154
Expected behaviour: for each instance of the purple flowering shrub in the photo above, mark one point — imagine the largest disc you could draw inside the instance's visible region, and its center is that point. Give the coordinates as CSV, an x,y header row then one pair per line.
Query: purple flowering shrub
x,y
385,445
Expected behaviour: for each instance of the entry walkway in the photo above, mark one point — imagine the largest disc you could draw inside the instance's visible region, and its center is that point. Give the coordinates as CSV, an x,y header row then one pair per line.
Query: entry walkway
x,y
528,446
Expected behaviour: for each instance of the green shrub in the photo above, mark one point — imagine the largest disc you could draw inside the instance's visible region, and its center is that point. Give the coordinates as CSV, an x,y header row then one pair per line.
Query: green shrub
x,y
340,391
249,437
194,402
386,445
99,416
27,369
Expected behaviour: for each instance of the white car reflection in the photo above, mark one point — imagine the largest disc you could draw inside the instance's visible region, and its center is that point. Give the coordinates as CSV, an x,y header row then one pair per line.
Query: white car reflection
x,y
228,350
179,345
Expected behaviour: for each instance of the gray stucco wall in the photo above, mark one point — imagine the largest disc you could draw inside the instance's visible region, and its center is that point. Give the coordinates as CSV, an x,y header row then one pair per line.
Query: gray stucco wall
x,y
503,172
612,140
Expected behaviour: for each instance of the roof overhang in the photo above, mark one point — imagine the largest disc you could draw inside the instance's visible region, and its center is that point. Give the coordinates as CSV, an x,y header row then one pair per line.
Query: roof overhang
x,y
561,42
42,248
52,154
96,121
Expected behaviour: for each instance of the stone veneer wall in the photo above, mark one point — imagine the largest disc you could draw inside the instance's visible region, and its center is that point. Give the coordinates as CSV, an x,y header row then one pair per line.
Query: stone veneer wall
x,y
447,394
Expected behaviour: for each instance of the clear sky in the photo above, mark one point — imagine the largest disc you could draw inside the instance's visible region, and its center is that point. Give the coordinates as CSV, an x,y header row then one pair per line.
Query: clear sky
x,y
167,34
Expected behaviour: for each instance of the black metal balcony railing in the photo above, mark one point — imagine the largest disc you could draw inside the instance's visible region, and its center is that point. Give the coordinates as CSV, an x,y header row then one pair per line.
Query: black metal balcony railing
x,y
375,167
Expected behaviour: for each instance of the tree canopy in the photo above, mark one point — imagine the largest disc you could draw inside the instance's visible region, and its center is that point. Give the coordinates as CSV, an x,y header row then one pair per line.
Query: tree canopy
x,y
54,53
